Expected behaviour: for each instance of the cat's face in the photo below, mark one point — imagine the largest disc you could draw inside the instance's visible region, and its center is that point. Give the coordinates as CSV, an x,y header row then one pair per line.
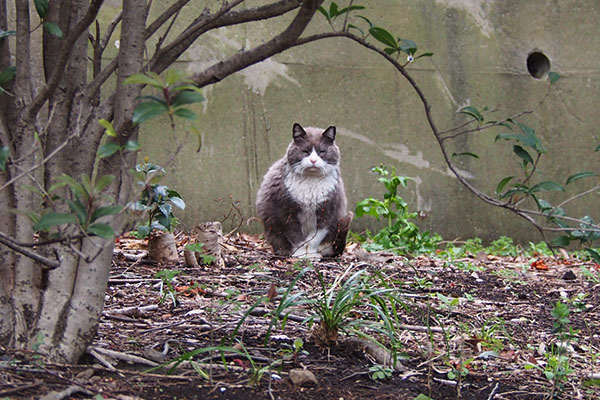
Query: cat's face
x,y
312,151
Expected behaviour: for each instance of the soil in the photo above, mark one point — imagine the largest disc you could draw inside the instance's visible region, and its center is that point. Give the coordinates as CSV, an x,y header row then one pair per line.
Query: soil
x,y
487,316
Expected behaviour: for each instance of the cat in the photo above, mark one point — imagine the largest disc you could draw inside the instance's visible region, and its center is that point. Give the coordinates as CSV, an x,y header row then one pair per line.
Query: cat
x,y
302,201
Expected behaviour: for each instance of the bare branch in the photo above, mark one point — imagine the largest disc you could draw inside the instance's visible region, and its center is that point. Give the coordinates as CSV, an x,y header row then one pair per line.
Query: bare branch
x,y
63,57
224,17
48,263
279,43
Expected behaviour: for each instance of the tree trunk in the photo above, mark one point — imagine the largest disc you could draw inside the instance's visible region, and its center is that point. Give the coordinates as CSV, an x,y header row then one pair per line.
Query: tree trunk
x,y
53,282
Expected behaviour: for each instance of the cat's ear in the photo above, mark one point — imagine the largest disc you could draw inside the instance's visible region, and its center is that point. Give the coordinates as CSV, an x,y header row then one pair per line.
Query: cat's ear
x,y
329,134
298,132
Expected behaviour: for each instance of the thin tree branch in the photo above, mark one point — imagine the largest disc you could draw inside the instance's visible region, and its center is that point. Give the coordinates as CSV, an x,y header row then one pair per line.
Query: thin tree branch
x,y
224,17
279,43
48,263
63,57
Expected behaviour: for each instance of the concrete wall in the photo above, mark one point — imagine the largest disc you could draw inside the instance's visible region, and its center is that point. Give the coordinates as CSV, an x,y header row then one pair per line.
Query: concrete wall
x,y
480,49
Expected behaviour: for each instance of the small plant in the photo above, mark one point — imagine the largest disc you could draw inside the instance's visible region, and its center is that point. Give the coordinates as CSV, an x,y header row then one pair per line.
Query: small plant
x,y
198,249
557,368
156,200
333,308
401,234
166,277
380,372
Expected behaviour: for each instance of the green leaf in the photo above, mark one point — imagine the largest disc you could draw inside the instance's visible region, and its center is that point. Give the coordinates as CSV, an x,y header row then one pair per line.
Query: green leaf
x,y
424,55
187,97
408,46
580,175
465,153
132,145
7,74
349,9
333,10
103,182
548,186
143,231
519,138
421,396
173,76
78,209
366,20
51,219
561,241
108,149
143,79
41,6
185,114
522,154
76,187
194,247
553,76
383,36
178,202
597,148
148,110
472,112
110,130
4,153
4,34
102,230
104,211
503,183
53,29
324,12
594,254
352,26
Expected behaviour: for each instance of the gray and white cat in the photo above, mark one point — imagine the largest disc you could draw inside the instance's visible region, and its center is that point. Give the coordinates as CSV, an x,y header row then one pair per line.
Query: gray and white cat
x,y
302,201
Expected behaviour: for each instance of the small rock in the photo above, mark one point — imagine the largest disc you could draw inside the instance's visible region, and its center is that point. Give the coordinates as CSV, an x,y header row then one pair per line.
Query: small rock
x,y
301,377
569,276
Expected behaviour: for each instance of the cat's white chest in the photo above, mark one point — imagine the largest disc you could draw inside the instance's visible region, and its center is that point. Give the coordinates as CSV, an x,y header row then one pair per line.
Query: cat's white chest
x,y
309,191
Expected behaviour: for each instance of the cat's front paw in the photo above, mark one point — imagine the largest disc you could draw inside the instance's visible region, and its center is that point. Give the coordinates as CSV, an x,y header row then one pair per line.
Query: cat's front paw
x,y
304,253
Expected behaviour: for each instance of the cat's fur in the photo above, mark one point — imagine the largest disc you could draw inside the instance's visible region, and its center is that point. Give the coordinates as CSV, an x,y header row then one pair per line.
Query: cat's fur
x,y
302,201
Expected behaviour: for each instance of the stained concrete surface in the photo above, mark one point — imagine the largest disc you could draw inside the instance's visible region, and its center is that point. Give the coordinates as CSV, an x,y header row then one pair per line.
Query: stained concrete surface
x,y
480,50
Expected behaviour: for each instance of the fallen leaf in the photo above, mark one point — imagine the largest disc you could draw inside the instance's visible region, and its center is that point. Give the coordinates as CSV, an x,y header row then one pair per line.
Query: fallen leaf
x,y
539,265
272,292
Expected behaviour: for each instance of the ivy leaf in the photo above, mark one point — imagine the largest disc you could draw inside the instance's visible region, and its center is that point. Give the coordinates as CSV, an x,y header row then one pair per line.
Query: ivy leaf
x,y
51,219
148,110
108,149
580,175
523,154
41,6
53,29
104,231
547,186
383,36
4,153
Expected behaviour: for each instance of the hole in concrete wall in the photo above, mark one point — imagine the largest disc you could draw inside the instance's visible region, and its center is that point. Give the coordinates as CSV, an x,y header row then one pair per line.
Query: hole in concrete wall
x,y
537,64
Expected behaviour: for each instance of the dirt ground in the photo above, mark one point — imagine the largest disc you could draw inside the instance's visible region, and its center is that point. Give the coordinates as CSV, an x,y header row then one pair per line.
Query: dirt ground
x,y
485,316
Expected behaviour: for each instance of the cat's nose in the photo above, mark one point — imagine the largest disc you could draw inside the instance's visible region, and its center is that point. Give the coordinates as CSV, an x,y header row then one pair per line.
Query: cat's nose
x,y
313,160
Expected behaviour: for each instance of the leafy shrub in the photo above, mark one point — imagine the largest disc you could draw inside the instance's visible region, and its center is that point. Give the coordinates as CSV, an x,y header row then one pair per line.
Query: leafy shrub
x,y
401,234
